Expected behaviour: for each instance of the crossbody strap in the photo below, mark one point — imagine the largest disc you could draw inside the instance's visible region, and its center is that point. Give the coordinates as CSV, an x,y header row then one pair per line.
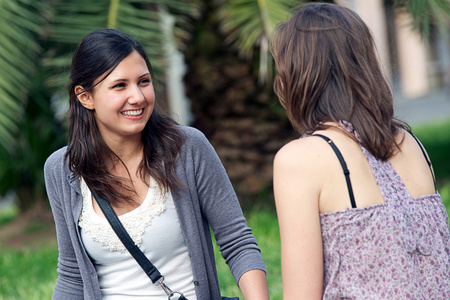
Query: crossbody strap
x,y
149,269
344,167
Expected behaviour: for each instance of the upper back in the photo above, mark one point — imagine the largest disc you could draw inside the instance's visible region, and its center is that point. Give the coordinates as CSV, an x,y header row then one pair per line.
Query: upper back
x,y
396,244
409,163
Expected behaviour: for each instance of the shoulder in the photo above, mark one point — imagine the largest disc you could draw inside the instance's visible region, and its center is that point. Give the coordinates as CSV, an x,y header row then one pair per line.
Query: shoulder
x,y
410,147
407,141
55,169
191,133
57,158
196,146
194,138
305,152
412,166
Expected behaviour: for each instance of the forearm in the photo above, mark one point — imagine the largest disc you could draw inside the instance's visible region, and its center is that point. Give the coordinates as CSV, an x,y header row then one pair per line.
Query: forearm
x,y
253,285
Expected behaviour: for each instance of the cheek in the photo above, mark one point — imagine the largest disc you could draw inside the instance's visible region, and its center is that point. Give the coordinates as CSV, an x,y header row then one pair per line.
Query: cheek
x,y
150,95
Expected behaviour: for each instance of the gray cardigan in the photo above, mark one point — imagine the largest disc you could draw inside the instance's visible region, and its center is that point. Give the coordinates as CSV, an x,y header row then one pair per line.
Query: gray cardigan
x,y
208,200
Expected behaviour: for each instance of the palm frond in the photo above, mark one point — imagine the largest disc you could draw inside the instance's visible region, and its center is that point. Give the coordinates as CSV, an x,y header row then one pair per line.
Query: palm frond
x,y
139,18
21,23
249,23
185,14
426,14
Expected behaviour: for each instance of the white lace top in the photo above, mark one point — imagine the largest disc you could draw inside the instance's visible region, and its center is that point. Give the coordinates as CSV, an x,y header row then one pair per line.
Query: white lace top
x,y
155,228
134,221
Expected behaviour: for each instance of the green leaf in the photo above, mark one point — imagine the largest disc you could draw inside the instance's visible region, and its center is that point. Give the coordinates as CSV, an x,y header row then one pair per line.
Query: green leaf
x,y
249,23
20,22
426,14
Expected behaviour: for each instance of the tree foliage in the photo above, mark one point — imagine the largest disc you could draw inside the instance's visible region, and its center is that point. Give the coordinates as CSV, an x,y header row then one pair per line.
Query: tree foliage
x,y
21,23
249,23
37,41
427,14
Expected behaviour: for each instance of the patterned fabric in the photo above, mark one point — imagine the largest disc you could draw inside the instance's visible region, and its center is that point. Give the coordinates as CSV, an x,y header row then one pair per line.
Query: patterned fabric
x,y
396,250
134,221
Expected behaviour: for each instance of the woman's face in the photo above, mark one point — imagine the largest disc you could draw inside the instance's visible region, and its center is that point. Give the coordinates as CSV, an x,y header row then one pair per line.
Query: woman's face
x,y
123,102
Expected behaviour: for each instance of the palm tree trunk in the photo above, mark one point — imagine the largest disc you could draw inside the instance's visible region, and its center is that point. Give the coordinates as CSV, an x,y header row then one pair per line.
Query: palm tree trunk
x,y
242,120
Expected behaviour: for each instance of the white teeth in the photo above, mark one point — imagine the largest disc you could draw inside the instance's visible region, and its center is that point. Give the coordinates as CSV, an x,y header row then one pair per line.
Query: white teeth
x,y
132,112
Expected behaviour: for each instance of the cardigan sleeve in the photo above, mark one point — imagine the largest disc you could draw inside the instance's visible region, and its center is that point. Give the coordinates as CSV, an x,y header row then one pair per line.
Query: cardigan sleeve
x,y
222,210
69,284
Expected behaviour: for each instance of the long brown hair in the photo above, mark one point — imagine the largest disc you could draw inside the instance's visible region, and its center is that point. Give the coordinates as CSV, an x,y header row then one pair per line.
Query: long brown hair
x,y
327,69
88,154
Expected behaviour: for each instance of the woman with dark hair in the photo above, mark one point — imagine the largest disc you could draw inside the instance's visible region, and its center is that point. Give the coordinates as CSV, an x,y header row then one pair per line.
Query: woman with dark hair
x,y
164,181
359,214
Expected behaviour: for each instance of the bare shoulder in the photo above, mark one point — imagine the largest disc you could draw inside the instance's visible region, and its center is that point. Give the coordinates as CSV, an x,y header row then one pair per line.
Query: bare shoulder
x,y
301,165
411,165
409,146
305,152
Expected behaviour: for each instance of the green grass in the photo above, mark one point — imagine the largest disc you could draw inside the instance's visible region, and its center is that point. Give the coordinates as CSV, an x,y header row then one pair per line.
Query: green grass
x,y
265,227
28,273
31,273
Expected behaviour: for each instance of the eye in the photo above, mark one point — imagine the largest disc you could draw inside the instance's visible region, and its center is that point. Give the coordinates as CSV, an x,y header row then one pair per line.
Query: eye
x,y
144,81
119,85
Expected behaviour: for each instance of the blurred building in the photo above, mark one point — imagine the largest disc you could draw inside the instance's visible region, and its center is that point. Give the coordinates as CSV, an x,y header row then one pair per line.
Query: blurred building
x,y
415,66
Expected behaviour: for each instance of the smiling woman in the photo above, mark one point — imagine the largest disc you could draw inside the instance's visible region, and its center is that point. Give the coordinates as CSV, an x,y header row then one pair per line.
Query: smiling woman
x,y
164,181
122,100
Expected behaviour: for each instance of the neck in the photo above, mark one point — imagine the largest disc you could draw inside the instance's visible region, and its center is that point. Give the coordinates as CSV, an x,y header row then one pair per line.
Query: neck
x,y
130,153
128,150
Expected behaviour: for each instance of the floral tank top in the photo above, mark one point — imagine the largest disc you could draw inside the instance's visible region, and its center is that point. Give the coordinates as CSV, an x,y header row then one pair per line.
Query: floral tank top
x,y
399,249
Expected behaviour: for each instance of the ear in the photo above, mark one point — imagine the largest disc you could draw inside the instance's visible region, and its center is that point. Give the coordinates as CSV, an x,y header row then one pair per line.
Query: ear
x,y
85,98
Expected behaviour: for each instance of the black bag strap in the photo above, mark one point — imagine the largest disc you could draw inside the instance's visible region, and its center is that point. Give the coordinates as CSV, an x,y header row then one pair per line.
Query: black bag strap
x,y
149,269
344,167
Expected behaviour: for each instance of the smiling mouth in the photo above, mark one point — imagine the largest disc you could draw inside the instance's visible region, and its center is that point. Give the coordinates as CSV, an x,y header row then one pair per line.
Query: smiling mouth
x,y
132,113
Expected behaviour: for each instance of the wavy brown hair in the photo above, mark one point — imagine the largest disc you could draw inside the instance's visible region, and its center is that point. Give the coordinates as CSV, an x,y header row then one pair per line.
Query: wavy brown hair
x,y
88,154
327,69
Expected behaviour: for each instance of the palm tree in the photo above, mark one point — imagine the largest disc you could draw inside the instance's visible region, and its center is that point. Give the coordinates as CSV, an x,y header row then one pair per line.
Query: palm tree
x,y
248,24
21,22
38,37
241,118
36,43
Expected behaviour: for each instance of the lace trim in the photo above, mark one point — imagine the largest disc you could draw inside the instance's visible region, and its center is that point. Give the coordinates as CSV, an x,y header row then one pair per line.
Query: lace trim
x,y
134,221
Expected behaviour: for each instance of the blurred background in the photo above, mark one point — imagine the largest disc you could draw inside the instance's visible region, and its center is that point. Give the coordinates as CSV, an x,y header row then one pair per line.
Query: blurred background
x,y
214,71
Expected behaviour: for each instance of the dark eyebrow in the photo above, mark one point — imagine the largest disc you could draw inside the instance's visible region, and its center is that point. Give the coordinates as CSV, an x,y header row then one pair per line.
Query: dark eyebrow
x,y
143,75
121,80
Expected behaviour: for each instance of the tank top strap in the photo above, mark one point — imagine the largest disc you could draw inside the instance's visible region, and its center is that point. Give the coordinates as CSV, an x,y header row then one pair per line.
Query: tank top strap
x,y
426,158
344,167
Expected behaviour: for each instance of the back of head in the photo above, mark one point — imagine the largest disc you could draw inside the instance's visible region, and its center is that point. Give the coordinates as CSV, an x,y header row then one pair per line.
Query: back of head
x,y
328,70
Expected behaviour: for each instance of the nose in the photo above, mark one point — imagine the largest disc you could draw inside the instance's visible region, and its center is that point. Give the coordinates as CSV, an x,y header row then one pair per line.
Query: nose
x,y
136,96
